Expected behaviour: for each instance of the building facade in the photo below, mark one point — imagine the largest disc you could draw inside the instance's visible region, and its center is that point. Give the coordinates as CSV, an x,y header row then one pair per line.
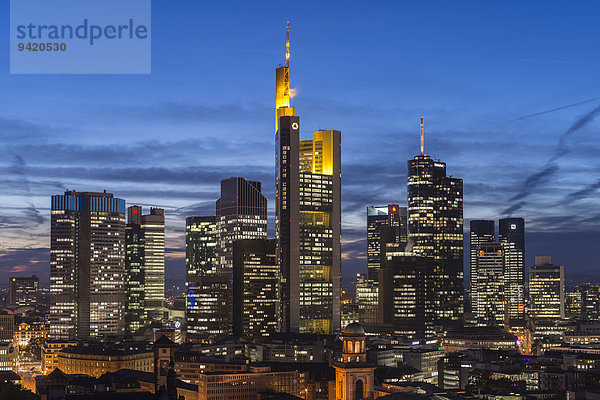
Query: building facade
x,y
406,294
488,298
480,231
511,234
241,213
144,266
208,307
255,288
546,289
435,229
87,265
200,246
308,228
24,291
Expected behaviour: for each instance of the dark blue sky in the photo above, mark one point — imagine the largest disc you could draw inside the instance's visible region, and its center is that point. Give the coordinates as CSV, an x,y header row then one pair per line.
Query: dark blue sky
x,y
481,73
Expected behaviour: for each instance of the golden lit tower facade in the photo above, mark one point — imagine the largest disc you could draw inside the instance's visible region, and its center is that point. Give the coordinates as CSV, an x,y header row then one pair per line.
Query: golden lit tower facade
x,y
308,216
435,229
282,85
308,219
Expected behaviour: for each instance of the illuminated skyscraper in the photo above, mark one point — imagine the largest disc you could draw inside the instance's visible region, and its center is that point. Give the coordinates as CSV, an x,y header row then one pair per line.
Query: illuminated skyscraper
x,y
391,215
481,231
241,214
546,289
308,228
255,288
407,293
393,219
512,237
435,229
488,298
308,219
24,290
144,266
200,246
87,265
208,307
207,293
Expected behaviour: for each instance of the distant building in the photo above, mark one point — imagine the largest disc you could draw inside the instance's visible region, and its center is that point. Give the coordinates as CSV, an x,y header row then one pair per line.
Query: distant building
x,y
435,229
87,266
200,246
241,213
406,294
391,219
208,307
7,326
488,298
546,289
26,332
255,288
8,356
511,234
24,291
480,231
367,298
144,266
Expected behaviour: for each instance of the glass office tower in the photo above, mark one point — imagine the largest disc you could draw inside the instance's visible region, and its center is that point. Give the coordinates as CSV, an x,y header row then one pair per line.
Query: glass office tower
x,y
481,231
145,266
512,237
241,213
488,298
87,266
435,229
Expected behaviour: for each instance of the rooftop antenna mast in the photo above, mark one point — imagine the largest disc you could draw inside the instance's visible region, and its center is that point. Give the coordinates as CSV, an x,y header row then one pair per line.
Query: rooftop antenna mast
x,y
287,45
421,135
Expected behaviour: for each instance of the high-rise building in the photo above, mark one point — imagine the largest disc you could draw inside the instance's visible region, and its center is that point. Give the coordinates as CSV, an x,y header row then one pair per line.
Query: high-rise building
x,y
308,219
392,215
546,289
590,302
392,218
511,235
480,231
488,297
200,246
144,266
308,228
207,293
367,299
241,214
435,229
24,290
255,288
87,265
407,293
208,310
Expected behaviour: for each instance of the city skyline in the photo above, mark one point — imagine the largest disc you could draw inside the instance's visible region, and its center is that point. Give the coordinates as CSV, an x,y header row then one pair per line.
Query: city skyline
x,y
544,182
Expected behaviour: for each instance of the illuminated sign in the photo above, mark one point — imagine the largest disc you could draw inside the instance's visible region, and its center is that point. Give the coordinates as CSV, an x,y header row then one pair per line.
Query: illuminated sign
x,y
513,226
294,125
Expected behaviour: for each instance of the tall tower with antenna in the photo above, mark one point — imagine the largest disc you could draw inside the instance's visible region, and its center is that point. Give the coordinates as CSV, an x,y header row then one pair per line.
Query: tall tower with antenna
x,y
435,228
282,84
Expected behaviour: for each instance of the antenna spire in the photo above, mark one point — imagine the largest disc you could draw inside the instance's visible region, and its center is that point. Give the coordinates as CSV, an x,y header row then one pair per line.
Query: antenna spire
x,y
287,45
421,135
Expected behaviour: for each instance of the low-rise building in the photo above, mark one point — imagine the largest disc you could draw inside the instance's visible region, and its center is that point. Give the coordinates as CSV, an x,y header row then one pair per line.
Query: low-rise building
x,y
97,359
50,351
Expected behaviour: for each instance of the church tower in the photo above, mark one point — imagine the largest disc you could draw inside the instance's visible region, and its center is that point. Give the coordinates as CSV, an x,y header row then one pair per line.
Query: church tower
x,y
354,377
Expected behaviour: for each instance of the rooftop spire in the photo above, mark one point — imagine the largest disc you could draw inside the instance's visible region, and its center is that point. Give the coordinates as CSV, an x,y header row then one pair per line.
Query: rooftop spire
x,y
287,45
421,135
